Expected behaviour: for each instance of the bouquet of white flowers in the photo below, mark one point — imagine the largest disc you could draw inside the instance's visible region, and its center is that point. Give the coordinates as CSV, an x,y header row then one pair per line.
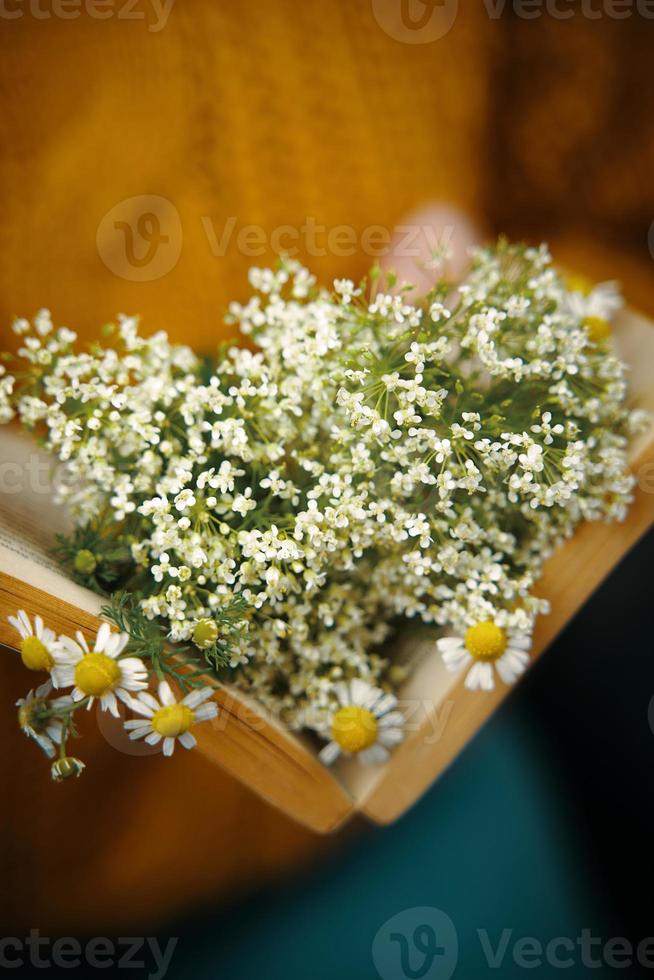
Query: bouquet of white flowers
x,y
276,514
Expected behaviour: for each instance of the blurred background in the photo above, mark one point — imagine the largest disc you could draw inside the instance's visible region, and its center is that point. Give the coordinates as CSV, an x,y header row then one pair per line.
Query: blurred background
x,y
151,151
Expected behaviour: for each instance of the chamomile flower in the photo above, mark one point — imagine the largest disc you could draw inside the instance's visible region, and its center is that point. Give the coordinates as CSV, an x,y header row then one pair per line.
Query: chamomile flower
x,y
483,647
168,719
101,672
365,724
36,719
38,643
595,306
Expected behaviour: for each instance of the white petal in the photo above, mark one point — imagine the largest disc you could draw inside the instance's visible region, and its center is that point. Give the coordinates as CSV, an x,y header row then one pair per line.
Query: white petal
x,y
391,736
393,720
73,650
25,620
517,657
108,703
511,665
123,695
38,626
329,753
119,642
53,731
196,698
137,725
81,639
205,712
63,676
342,692
134,683
44,743
187,740
168,746
447,643
141,709
360,692
153,738
456,660
375,754
385,704
166,695
103,635
145,699
480,676
65,702
18,626
488,678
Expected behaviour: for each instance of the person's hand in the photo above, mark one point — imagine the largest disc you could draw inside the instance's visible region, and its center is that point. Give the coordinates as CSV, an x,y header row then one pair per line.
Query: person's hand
x,y
426,231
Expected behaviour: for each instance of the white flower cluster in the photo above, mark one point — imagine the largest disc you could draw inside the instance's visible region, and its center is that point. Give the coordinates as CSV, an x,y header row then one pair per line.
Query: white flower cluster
x,y
373,460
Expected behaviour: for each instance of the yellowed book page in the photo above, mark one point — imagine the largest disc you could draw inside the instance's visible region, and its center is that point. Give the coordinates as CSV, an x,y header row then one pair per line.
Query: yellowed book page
x,y
29,521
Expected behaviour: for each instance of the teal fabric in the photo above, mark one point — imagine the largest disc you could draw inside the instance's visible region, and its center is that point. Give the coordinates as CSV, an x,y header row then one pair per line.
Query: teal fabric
x,y
489,846
542,827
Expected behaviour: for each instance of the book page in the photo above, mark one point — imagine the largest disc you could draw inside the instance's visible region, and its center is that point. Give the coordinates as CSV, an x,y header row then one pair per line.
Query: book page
x,y
29,520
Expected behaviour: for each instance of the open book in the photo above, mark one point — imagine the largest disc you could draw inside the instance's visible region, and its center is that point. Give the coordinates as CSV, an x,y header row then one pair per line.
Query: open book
x,y
441,715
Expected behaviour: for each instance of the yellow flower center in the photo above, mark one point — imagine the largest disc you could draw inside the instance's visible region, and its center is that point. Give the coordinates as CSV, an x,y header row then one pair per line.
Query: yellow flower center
x,y
31,714
205,633
172,720
35,655
598,328
485,641
579,284
25,716
96,674
354,728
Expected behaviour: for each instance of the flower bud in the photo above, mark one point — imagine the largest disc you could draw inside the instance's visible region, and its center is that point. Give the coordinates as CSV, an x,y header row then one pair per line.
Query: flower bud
x,y
68,766
205,633
85,562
